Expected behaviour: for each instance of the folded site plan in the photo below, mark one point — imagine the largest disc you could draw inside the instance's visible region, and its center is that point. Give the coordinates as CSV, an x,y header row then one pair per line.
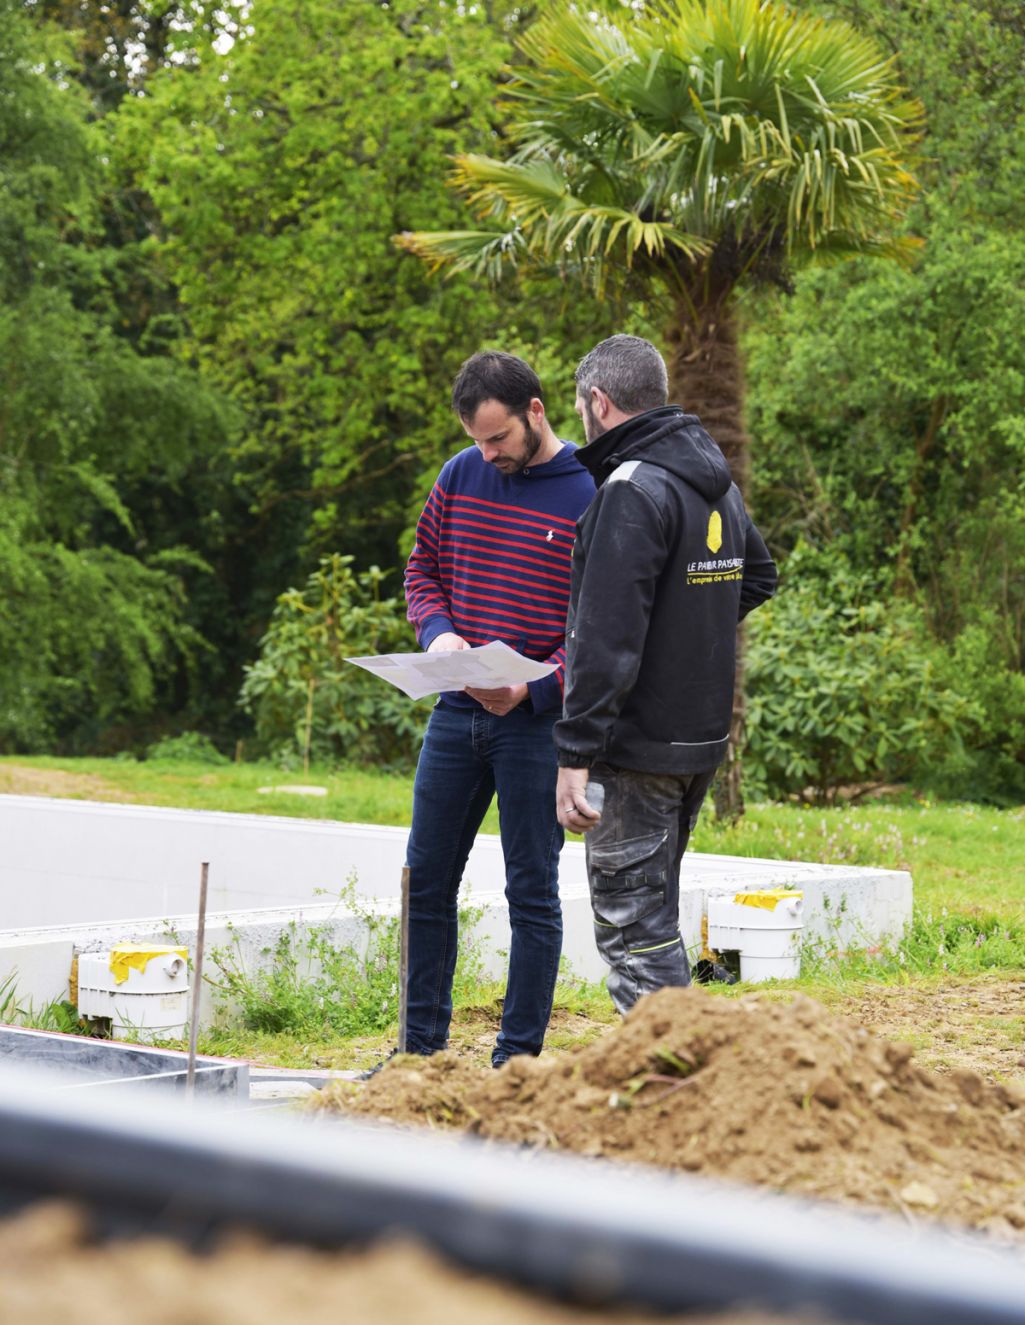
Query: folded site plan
x,y
486,668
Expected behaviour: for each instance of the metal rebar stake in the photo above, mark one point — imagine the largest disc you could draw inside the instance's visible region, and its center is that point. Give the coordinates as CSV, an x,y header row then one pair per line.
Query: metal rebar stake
x,y
197,977
403,959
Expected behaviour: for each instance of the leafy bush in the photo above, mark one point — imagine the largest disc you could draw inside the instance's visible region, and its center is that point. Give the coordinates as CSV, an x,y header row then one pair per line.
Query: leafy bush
x,y
990,763
845,686
306,699
186,748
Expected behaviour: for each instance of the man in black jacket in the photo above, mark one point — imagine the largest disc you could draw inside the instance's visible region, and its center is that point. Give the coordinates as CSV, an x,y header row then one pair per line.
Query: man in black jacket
x,y
665,563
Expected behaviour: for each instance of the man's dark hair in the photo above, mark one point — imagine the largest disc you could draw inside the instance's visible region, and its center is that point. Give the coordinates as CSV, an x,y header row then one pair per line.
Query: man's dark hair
x,y
629,370
494,375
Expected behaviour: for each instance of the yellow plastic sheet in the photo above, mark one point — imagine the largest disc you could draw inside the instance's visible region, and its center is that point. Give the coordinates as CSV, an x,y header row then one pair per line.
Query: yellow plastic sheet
x,y
767,899
139,955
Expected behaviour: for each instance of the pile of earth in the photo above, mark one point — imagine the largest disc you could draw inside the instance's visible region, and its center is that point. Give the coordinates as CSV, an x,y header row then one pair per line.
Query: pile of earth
x,y
784,1095
51,1271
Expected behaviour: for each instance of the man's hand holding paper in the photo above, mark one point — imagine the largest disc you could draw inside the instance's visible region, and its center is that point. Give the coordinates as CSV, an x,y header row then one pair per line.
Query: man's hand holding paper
x,y
490,668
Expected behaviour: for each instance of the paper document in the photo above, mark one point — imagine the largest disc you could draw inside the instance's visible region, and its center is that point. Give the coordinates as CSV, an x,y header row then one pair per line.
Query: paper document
x,y
486,668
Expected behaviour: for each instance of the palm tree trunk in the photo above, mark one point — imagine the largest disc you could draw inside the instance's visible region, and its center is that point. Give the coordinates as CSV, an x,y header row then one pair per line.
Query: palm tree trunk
x,y
706,378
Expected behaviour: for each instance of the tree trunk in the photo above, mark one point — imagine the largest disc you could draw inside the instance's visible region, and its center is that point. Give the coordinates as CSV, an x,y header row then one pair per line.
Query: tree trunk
x,y
706,378
903,579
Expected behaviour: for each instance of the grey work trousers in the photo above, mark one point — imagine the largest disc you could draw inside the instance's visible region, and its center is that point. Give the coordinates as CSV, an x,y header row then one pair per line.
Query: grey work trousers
x,y
633,866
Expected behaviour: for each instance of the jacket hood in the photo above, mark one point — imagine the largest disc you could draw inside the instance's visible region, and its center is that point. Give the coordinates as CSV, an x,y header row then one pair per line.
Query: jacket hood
x,y
666,437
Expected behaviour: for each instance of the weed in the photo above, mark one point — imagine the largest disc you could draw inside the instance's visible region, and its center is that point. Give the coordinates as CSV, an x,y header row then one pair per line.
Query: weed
x,y
948,943
9,1009
313,983
60,1015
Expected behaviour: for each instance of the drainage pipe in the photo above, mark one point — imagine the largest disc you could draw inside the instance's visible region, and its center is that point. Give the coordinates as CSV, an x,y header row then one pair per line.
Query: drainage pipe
x,y
586,1231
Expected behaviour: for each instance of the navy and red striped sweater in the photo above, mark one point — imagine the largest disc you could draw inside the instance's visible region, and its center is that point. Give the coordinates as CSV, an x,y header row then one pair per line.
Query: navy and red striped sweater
x,y
492,557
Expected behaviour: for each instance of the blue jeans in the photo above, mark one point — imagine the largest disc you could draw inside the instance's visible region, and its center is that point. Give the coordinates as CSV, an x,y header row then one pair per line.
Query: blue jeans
x,y
468,755
633,865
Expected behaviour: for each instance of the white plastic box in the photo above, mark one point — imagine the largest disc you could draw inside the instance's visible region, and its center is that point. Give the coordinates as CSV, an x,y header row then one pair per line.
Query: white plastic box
x,y
764,927
144,990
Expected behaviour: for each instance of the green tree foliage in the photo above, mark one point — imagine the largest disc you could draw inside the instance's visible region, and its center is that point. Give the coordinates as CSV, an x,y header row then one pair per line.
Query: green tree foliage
x,y
888,406
281,168
98,614
216,368
699,147
965,61
893,408
85,636
119,44
307,701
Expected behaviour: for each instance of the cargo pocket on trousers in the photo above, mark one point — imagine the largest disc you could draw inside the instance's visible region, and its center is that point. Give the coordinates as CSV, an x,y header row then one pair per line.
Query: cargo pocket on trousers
x,y
622,893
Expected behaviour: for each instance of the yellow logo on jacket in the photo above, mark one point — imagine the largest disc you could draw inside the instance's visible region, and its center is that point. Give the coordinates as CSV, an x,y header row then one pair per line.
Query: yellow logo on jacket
x,y
714,538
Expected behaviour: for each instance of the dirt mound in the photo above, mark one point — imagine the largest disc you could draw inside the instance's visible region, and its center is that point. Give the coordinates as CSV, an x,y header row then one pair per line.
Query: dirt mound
x,y
784,1095
49,1271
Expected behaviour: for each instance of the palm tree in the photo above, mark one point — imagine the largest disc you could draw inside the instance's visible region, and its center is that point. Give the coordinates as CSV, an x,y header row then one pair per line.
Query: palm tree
x,y
682,149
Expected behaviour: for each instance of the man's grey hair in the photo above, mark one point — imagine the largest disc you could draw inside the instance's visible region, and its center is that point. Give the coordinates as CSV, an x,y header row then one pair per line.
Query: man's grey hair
x,y
629,370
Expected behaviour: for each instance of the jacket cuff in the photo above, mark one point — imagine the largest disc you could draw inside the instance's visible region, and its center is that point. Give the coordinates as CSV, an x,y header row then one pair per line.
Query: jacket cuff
x,y
574,759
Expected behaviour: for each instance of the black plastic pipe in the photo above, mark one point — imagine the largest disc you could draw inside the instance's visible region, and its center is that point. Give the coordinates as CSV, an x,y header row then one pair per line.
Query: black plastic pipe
x,y
587,1231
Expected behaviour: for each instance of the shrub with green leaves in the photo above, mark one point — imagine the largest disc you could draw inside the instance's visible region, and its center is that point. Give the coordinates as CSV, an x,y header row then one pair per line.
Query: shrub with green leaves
x,y
186,748
989,765
845,686
306,699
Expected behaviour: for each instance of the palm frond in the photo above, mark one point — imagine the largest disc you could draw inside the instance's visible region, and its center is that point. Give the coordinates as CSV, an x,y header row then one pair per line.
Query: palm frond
x,y
646,136
487,254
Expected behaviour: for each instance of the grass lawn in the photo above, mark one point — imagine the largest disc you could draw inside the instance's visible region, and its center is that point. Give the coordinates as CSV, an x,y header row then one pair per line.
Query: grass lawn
x,y
963,857
353,796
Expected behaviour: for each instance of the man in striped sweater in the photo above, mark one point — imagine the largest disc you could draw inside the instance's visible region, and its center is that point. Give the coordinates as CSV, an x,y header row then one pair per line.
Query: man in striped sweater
x,y
492,562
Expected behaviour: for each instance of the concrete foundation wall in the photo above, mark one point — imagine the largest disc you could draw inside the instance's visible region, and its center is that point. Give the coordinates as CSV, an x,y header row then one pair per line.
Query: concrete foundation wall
x,y
77,876
64,861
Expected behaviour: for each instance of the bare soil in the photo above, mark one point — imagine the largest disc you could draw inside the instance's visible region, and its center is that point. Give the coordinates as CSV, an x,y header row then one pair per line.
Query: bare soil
x,y
22,780
978,1024
975,1022
785,1095
50,1271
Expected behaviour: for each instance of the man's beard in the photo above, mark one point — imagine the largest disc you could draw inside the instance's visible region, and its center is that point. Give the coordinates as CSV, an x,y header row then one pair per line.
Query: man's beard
x,y
593,428
532,440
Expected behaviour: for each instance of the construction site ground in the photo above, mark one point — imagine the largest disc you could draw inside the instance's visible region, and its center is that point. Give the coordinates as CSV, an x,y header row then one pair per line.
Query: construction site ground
x,y
767,1090
975,1023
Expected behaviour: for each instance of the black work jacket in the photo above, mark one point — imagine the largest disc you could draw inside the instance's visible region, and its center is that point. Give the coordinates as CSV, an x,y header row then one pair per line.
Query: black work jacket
x,y
666,562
